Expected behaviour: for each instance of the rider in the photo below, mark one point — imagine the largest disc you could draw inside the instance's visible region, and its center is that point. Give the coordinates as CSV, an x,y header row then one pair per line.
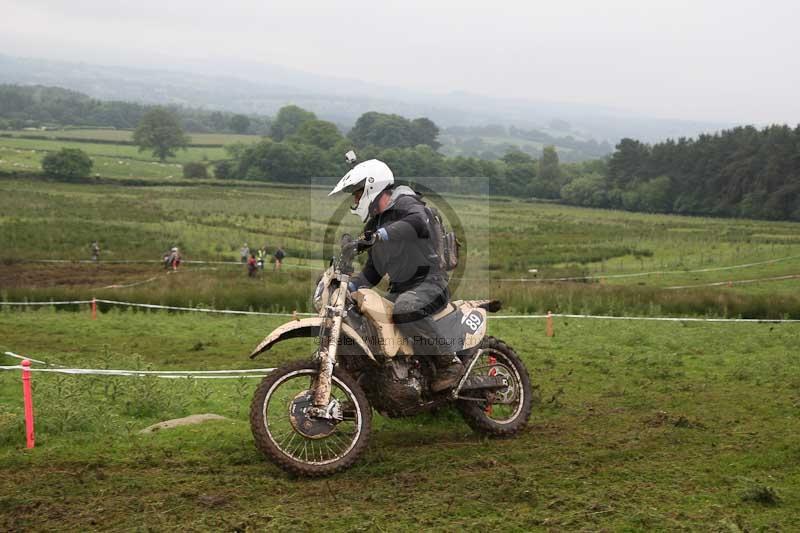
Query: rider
x,y
261,256
405,252
173,259
95,251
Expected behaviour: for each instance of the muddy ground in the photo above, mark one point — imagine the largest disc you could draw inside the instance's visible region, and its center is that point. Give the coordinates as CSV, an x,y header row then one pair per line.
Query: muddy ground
x,y
98,275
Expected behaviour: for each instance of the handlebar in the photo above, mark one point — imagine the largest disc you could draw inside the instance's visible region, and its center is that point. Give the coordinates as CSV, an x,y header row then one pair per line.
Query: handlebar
x,y
370,238
358,245
352,247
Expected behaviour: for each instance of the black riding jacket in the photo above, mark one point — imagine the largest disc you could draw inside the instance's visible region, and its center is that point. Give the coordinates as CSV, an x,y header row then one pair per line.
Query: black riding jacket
x,y
409,256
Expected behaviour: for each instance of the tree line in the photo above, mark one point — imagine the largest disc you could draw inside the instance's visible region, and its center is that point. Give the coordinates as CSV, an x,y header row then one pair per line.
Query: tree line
x,y
743,171
304,149
38,106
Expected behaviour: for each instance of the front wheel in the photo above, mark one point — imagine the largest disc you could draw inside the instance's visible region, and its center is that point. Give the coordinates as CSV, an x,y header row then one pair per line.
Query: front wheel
x,y
504,412
305,445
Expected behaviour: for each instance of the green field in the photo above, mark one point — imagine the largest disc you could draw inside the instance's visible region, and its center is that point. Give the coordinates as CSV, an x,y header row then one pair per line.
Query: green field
x,y
21,156
504,239
110,150
637,426
22,160
468,144
127,135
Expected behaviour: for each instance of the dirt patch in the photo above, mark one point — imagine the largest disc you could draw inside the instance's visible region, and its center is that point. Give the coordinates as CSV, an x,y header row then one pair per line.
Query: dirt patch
x,y
22,275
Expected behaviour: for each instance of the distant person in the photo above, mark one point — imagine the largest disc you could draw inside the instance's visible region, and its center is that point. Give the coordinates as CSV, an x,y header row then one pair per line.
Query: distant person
x,y
95,251
244,252
252,266
260,257
173,259
279,255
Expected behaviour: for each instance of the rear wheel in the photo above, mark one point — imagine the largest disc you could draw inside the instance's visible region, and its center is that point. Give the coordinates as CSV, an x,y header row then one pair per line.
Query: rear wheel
x,y
302,444
504,412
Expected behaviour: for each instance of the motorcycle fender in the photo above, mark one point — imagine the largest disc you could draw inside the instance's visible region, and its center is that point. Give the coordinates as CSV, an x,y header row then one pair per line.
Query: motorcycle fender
x,y
307,327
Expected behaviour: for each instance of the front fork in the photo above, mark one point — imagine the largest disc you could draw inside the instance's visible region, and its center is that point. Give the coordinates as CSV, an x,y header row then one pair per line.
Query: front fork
x,y
327,354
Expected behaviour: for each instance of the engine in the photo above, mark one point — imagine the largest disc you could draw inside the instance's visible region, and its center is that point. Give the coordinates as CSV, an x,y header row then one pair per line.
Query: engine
x,y
397,389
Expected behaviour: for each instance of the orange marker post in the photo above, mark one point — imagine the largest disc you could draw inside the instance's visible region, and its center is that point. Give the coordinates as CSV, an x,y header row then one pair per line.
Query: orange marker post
x,y
28,400
94,309
549,329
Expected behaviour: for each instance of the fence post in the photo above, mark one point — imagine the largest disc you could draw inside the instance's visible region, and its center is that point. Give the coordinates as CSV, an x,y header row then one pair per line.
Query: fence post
x,y
549,329
30,437
94,309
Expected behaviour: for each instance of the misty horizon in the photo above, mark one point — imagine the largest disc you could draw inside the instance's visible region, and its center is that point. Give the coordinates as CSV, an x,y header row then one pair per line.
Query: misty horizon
x,y
712,61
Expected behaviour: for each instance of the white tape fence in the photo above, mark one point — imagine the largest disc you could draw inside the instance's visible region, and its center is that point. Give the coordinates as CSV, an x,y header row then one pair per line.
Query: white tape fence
x,y
69,302
165,374
654,318
156,306
640,274
493,317
200,309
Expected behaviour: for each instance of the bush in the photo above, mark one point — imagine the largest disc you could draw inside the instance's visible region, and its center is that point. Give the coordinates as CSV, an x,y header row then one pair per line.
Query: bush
x,y
589,190
195,170
67,163
223,170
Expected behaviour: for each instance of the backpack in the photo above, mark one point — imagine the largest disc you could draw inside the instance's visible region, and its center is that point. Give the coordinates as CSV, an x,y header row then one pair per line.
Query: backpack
x,y
445,243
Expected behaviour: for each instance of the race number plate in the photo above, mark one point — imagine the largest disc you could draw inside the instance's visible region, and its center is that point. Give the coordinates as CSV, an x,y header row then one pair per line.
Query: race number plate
x,y
473,321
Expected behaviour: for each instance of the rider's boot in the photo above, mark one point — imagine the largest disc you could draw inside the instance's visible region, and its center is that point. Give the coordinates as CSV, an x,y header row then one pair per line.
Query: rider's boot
x,y
449,370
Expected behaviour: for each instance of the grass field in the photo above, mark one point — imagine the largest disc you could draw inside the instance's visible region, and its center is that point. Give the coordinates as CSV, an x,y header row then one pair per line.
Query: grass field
x,y
36,146
504,239
21,156
637,426
18,160
127,135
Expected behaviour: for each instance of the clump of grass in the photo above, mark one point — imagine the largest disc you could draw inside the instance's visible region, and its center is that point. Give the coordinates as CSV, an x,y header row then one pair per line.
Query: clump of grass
x,y
662,418
683,422
10,424
763,494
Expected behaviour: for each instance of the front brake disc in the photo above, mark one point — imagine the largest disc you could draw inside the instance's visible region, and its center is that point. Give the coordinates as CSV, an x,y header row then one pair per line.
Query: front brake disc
x,y
308,426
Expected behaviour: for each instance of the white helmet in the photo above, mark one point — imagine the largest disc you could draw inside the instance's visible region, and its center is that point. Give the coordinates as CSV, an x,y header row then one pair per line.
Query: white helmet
x,y
373,177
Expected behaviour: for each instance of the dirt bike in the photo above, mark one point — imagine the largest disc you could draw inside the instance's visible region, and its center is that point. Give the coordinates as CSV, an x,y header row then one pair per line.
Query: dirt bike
x,y
313,417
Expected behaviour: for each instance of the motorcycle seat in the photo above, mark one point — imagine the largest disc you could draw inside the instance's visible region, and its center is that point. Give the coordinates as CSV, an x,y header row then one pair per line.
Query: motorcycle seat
x,y
449,308
379,310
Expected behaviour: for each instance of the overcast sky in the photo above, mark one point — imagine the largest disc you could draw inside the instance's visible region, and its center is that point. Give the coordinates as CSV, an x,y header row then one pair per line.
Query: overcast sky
x,y
731,61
